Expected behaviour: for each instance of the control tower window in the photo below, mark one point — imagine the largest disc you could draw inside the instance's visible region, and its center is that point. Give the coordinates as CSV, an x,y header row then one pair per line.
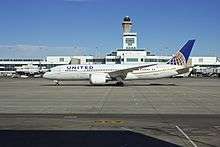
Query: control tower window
x,y
129,41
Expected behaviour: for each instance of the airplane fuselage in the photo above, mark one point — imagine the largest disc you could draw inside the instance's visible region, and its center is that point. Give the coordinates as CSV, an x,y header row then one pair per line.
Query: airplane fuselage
x,y
83,72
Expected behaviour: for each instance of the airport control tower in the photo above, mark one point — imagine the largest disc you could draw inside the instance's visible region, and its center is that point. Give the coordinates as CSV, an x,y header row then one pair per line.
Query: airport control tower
x,y
129,52
129,38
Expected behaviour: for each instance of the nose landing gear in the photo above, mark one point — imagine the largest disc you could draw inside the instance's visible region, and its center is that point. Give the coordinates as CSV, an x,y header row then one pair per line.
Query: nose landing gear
x,y
57,83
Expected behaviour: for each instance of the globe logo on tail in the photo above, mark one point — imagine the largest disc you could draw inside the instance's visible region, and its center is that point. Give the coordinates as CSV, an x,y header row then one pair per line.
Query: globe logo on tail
x,y
178,59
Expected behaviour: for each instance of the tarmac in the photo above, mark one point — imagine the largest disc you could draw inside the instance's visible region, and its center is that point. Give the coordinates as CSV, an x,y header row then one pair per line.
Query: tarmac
x,y
150,107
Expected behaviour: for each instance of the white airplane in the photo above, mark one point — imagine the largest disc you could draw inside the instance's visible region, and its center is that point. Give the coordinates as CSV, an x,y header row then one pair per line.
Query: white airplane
x,y
99,74
30,70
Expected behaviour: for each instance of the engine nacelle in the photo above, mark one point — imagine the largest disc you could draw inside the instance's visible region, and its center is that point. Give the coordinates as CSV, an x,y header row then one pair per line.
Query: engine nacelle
x,y
97,78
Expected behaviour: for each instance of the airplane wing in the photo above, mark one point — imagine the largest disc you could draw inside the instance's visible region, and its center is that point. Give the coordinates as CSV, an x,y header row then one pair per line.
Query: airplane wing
x,y
122,73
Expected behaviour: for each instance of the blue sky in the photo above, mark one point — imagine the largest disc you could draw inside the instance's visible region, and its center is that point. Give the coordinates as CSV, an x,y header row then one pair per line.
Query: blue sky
x,y
37,28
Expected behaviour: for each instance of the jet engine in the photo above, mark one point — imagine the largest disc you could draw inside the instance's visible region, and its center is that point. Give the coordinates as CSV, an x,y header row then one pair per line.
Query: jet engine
x,y
97,78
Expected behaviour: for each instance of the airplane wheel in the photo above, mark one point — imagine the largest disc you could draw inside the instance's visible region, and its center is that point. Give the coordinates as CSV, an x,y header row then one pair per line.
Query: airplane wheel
x,y
120,84
57,83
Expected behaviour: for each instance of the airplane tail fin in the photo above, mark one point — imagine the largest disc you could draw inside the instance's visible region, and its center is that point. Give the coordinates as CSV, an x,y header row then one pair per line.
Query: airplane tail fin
x,y
182,56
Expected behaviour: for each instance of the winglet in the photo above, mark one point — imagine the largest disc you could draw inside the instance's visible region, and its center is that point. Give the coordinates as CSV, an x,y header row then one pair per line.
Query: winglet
x,y
182,56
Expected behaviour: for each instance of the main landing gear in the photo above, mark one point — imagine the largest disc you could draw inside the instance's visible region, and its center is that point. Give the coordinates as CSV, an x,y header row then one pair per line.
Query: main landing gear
x,y
120,84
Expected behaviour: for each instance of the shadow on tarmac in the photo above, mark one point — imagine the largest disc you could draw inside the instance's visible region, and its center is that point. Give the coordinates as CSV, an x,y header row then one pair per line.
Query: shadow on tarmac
x,y
115,85
91,138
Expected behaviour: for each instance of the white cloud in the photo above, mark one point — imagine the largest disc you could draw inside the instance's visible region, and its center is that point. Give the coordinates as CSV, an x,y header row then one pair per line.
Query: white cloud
x,y
27,50
26,47
23,48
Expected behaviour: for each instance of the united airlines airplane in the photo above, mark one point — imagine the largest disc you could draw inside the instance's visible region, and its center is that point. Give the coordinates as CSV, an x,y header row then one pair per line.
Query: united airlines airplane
x,y
99,74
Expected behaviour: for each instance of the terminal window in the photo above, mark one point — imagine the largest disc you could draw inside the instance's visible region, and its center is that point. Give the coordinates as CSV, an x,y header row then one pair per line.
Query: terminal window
x,y
200,59
150,60
61,59
132,59
111,60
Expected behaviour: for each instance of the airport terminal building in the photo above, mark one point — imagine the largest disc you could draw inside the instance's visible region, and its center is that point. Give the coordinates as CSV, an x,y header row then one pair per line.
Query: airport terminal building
x,y
129,53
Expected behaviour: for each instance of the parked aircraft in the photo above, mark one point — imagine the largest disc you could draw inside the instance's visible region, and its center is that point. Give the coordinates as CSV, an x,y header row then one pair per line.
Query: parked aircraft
x,y
30,70
99,74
